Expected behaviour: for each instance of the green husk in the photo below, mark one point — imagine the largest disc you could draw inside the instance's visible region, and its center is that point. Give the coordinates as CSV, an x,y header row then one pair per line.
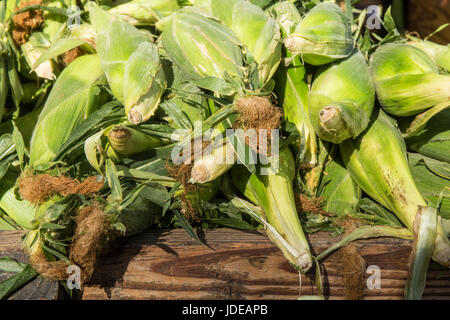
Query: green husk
x,y
377,162
341,99
3,86
145,12
202,47
324,35
74,96
86,33
434,140
33,49
367,232
131,64
430,182
127,141
274,193
21,211
142,213
201,193
340,192
258,32
406,79
25,124
424,238
292,89
439,53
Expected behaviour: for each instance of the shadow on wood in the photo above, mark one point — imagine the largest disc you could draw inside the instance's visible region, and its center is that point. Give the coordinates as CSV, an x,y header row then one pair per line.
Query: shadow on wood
x,y
241,265
235,265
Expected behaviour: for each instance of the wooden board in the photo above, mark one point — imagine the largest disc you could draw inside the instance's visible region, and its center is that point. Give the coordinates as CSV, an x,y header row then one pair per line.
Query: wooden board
x,y
425,17
240,265
39,288
235,265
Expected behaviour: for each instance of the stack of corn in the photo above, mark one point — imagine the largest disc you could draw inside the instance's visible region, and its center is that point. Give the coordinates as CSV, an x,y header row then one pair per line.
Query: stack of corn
x,y
291,116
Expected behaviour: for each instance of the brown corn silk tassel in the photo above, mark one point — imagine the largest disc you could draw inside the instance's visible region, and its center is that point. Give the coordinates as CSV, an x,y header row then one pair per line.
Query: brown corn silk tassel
x,y
353,265
258,113
39,188
91,223
26,21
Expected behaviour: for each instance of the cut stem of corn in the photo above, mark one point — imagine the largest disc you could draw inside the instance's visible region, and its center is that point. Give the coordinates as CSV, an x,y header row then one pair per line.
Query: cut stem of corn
x,y
213,163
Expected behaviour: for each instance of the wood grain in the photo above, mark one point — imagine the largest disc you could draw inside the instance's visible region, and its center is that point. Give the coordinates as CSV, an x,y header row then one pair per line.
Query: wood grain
x,y
39,288
425,17
240,265
235,265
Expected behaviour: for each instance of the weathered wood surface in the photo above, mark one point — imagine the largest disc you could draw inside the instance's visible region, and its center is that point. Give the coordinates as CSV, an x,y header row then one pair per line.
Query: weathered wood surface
x,y
240,265
235,265
425,17
39,288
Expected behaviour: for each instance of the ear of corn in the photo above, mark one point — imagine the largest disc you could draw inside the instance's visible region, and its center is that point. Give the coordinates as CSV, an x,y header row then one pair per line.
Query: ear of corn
x,y
382,153
377,162
127,141
258,32
341,99
213,163
74,96
131,64
145,12
324,35
406,79
292,89
21,211
440,54
202,47
274,193
434,140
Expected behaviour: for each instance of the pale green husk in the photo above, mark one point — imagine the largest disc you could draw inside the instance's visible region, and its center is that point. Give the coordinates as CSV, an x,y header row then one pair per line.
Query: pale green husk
x,y
377,162
131,63
145,12
341,99
201,46
340,192
258,32
21,211
292,90
439,53
127,141
324,35
434,140
274,193
74,96
407,80
432,178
